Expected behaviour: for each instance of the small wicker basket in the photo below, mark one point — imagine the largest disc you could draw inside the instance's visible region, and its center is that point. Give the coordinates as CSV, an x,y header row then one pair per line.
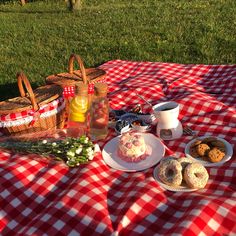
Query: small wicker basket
x,y
68,79
39,110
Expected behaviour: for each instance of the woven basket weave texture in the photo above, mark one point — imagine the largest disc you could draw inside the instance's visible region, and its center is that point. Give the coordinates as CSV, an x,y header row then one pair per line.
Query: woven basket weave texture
x,y
70,78
38,110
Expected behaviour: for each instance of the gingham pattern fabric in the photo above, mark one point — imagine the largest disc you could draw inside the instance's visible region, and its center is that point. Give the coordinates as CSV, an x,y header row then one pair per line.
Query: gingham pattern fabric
x,y
69,91
39,197
9,119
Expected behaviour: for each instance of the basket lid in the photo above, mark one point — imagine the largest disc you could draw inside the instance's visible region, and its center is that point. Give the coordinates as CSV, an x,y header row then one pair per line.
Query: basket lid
x,y
43,95
70,79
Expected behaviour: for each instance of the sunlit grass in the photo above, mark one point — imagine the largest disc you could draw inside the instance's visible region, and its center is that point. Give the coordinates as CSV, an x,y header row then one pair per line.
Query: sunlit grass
x,y
39,37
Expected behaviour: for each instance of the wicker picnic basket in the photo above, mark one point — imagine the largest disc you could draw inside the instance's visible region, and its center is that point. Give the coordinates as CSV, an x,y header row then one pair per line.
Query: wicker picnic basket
x,y
67,80
39,110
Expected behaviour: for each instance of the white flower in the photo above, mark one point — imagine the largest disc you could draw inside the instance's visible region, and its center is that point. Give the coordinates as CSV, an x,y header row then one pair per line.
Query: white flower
x,y
78,151
86,140
70,153
90,156
44,141
54,144
89,149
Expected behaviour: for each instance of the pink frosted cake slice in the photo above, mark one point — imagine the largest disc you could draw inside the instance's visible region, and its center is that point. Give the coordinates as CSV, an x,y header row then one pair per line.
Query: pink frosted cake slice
x,y
132,147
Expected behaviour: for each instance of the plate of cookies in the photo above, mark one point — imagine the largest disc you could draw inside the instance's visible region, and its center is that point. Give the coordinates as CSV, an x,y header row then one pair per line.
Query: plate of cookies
x,y
209,150
181,174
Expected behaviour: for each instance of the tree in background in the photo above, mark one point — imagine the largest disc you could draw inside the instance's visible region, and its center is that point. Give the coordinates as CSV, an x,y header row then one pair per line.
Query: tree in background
x,y
74,4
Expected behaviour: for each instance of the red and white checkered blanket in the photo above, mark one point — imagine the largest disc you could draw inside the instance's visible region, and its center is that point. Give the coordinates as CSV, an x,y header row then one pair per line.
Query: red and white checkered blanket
x,y
40,197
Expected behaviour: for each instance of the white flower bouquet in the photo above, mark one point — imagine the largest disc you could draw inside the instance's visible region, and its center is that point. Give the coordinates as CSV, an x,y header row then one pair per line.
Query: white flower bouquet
x,y
73,151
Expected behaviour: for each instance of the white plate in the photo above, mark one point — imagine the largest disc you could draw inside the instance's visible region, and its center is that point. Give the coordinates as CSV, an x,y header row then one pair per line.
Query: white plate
x,y
112,159
180,188
228,155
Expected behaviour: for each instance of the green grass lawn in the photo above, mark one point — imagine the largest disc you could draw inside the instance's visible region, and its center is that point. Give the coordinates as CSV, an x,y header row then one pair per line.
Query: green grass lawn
x,y
39,37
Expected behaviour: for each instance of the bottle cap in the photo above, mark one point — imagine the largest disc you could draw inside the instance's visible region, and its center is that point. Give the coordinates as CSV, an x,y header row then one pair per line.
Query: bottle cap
x,y
100,88
81,88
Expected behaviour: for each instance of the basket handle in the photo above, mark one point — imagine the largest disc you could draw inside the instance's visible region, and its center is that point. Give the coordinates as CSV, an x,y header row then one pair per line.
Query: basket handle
x,y
22,79
81,65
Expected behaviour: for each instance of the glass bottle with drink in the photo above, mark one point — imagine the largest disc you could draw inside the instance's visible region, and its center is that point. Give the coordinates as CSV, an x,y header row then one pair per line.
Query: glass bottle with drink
x,y
78,112
99,112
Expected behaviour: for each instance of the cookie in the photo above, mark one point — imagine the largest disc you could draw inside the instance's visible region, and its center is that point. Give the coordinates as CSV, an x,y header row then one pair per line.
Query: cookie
x,y
193,152
218,143
195,143
215,155
202,149
209,140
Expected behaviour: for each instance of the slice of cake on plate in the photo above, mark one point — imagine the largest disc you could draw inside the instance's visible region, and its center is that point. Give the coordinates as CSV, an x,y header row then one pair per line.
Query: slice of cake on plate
x,y
132,147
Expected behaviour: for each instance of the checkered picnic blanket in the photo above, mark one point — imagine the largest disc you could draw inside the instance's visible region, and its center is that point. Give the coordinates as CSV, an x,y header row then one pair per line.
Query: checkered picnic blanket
x,y
40,197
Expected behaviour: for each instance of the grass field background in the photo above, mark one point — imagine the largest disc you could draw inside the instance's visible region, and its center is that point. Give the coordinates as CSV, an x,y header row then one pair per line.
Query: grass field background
x,y
39,37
